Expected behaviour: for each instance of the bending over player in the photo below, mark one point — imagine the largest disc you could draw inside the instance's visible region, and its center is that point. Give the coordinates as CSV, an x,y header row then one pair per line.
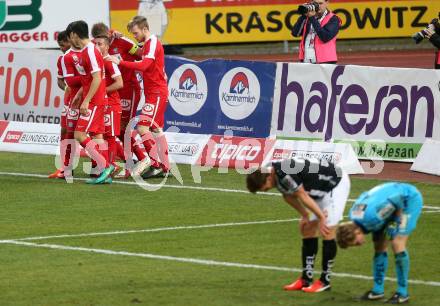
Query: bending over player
x,y
390,211
318,190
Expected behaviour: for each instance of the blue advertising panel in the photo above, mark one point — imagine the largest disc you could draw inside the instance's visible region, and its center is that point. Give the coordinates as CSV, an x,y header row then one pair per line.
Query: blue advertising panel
x,y
218,96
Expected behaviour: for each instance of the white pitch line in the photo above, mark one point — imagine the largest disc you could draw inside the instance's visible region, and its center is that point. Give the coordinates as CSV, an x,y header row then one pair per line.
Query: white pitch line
x,y
152,230
200,261
162,229
176,186
164,186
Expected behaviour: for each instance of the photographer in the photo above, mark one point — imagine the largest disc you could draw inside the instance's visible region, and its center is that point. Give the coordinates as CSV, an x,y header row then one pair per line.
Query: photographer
x,y
434,38
318,28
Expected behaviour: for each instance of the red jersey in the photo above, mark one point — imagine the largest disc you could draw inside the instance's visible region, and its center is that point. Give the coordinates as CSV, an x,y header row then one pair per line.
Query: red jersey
x,y
125,49
68,64
111,72
155,79
91,61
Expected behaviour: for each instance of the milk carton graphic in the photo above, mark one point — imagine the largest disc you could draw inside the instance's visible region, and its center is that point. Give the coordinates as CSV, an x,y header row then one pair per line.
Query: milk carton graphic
x,y
156,14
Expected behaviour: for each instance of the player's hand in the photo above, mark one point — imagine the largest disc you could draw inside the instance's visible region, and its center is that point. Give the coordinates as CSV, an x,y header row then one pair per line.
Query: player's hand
x,y
76,100
116,34
429,32
84,108
113,59
304,222
311,13
323,228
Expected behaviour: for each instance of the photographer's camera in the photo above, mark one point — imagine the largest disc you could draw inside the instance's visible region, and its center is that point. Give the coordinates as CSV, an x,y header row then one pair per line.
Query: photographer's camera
x,y
308,7
434,25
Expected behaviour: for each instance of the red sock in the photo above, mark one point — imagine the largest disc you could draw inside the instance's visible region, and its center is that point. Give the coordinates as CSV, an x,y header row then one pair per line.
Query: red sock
x,y
70,149
94,152
67,154
63,149
112,150
136,149
151,148
162,145
120,146
119,149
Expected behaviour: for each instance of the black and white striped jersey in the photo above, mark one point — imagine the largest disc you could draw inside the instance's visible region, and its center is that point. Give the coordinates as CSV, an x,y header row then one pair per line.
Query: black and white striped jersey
x,y
318,177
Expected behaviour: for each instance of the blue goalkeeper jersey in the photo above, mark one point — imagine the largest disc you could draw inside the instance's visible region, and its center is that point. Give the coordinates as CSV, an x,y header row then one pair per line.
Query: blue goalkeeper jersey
x,y
375,209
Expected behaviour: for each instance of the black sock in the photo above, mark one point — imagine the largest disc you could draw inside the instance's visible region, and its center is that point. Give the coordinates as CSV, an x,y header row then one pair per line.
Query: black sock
x,y
328,255
309,250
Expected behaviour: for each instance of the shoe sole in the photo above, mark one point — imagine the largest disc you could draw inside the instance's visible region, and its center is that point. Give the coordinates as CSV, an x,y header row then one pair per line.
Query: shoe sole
x,y
370,299
140,167
405,301
326,288
293,289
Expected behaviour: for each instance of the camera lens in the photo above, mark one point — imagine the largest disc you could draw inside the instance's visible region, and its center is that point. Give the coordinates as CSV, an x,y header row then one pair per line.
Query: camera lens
x,y
303,9
418,37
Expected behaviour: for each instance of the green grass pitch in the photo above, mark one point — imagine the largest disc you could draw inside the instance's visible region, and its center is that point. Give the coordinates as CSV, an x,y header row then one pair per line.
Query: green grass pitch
x,y
122,245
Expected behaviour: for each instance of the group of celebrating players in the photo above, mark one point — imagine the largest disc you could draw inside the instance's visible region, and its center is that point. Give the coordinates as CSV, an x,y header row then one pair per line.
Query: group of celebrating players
x,y
102,93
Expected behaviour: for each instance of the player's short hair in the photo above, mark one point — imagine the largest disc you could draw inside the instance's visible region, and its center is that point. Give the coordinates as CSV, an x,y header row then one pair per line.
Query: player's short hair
x,y
80,28
139,21
100,29
346,234
105,37
62,37
256,180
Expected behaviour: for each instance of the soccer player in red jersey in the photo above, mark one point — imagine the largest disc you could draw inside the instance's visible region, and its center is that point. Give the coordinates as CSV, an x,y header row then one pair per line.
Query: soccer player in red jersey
x,y
150,125
127,50
114,82
64,45
73,80
92,109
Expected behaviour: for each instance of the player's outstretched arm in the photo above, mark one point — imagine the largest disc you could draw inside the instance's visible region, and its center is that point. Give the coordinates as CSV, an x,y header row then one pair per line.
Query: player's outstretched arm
x,y
140,66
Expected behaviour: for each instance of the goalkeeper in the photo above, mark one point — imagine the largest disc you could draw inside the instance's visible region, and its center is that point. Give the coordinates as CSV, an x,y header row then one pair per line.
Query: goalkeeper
x,y
390,212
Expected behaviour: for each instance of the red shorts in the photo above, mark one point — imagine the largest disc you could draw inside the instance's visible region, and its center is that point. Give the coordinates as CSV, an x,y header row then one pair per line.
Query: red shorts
x,y
93,122
112,120
153,111
72,119
130,96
